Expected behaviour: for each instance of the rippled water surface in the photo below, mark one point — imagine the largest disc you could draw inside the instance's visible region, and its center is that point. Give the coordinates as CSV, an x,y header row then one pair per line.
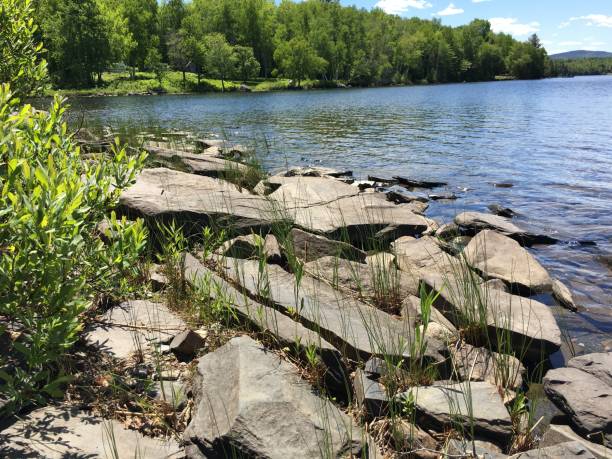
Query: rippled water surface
x,y
552,139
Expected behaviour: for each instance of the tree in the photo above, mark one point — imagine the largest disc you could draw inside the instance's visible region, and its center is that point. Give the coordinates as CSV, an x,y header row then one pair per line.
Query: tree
x,y
181,51
142,22
120,38
171,15
154,63
219,57
246,64
298,60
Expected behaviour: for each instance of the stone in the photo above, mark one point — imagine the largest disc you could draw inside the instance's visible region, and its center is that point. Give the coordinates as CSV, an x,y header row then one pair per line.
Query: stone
x,y
200,163
466,448
411,309
412,183
438,407
131,326
598,364
371,395
400,195
585,398
386,180
304,191
557,434
308,247
272,249
496,256
58,432
288,332
567,450
529,324
474,222
374,368
481,364
370,282
158,279
316,172
423,256
381,261
501,210
249,402
249,246
448,196
171,392
495,284
195,201
448,231
187,344
410,437
357,329
563,295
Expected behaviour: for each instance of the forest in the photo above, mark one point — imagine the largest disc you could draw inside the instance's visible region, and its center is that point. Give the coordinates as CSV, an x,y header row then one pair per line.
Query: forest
x,y
588,66
242,39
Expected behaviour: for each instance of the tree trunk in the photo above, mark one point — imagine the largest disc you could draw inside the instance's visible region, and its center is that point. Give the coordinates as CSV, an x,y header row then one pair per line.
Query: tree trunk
x,y
222,85
184,79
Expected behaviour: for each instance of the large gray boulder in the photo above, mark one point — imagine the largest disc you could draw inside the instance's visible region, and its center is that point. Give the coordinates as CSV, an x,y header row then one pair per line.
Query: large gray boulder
x,y
200,163
308,247
567,450
558,433
251,403
422,256
197,201
473,222
132,326
584,396
355,328
529,324
598,364
462,406
499,257
59,432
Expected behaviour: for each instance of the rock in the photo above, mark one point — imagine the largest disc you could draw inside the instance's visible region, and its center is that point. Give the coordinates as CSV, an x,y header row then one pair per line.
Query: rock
x,y
412,183
287,331
442,196
244,88
209,143
316,172
249,246
585,398
249,402
364,184
439,407
495,284
308,247
131,326
371,395
200,163
466,448
195,201
501,211
374,368
58,432
529,324
171,392
598,364
400,195
358,330
557,434
496,256
386,180
381,261
568,450
563,295
474,222
158,279
480,364
411,308
187,344
335,209
423,256
410,437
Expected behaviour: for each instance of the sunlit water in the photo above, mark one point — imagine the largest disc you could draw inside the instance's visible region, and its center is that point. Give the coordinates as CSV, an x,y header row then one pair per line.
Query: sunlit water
x,y
552,139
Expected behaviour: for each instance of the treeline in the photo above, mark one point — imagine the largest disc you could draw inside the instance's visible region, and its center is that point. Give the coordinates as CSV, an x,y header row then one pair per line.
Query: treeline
x,y
241,39
584,66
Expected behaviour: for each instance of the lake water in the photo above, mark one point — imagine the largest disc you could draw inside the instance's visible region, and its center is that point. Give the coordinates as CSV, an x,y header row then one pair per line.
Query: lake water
x,y
552,139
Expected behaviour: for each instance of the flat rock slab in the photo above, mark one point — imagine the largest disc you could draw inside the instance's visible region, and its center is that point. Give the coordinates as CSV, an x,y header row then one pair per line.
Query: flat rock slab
x,y
585,398
474,222
355,328
200,163
531,326
438,407
598,364
308,247
561,433
567,450
59,432
423,256
249,402
132,325
162,193
498,257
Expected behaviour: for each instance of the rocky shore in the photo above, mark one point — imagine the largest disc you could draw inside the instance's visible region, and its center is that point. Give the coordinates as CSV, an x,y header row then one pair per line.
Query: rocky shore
x,y
310,314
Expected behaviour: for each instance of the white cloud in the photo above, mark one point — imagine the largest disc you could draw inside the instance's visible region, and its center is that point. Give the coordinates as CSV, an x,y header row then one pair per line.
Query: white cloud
x,y
450,10
564,24
402,6
597,20
513,27
570,43
480,1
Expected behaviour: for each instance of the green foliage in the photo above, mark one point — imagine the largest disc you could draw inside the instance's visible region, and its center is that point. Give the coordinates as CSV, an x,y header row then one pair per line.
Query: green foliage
x,y
298,60
589,66
154,63
247,66
219,57
20,65
528,60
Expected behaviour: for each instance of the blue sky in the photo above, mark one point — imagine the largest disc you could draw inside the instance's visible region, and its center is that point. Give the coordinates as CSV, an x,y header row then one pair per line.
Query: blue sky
x,y
562,25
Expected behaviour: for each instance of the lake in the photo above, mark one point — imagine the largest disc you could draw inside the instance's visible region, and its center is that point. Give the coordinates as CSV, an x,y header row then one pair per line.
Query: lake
x,y
552,139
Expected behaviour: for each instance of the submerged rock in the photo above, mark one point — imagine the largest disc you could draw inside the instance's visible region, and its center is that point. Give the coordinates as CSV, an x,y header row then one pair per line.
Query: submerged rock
x,y
563,295
312,171
476,404
497,256
249,402
412,183
584,396
59,432
501,210
477,221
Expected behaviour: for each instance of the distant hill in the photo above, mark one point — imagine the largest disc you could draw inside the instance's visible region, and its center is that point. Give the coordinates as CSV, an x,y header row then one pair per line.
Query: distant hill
x,y
580,54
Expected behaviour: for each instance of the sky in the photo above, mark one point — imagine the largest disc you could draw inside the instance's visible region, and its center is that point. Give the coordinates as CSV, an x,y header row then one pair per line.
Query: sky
x,y
562,25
